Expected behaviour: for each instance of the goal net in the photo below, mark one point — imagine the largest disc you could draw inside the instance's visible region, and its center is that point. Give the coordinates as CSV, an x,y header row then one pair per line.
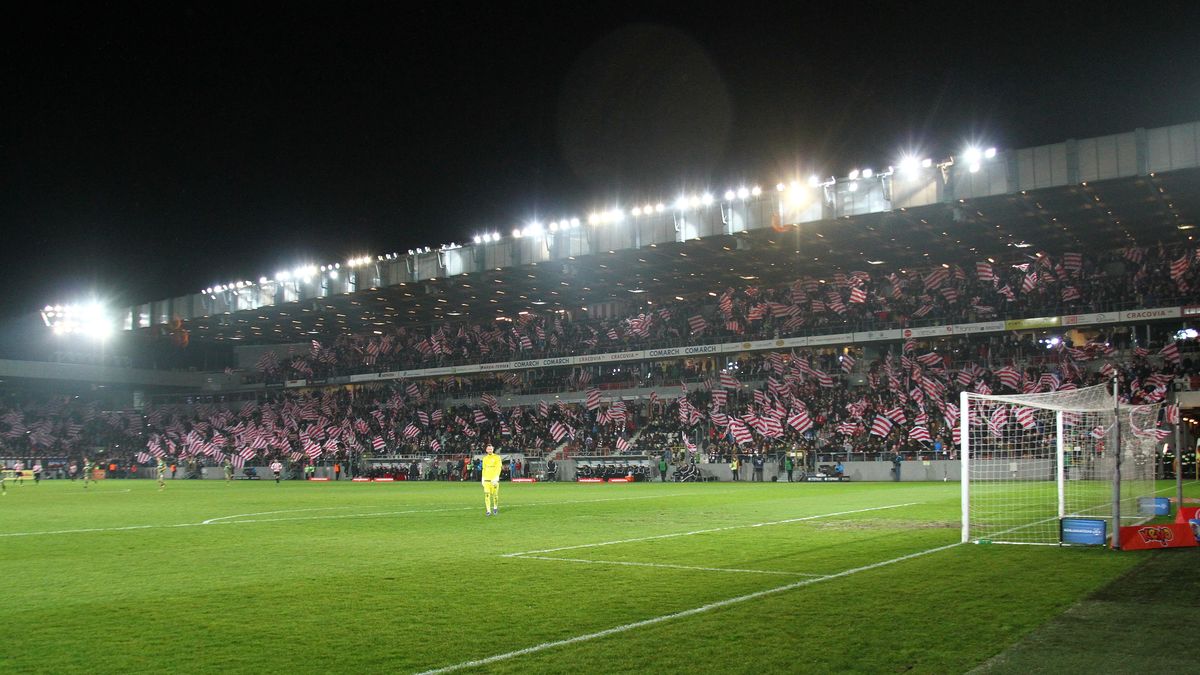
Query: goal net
x,y
1029,460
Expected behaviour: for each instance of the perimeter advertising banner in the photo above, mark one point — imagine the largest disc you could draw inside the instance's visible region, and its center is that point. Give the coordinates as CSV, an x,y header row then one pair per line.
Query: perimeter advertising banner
x,y
1162,535
1083,531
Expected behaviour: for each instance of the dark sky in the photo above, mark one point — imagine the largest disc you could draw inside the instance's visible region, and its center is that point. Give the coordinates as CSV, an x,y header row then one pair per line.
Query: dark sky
x,y
149,150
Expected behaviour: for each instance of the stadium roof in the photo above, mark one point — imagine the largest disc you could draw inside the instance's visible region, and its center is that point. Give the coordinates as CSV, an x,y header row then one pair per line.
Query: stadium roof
x,y
1096,194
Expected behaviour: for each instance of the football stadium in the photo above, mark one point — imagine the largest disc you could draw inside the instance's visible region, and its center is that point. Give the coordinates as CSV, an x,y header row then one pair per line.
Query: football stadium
x,y
799,418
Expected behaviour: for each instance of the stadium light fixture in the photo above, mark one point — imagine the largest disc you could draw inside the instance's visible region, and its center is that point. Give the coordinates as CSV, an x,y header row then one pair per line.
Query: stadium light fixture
x,y
989,153
706,198
909,165
814,180
867,173
516,233
743,193
730,195
755,191
853,186
681,204
853,175
478,239
636,212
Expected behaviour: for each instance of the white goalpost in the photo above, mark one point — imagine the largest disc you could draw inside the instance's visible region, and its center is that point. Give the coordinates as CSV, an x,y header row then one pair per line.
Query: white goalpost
x,y
1030,460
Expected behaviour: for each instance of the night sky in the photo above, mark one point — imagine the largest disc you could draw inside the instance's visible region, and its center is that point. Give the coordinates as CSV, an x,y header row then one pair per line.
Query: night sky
x,y
150,150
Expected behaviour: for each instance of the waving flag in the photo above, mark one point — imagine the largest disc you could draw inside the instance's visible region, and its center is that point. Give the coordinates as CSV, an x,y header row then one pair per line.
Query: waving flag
x,y
882,426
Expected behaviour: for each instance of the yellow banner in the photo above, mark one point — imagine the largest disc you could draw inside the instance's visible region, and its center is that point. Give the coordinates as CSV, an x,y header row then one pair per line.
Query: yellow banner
x,y
1040,322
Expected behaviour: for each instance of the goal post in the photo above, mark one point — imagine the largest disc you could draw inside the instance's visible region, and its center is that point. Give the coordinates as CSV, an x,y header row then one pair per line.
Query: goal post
x,y
1030,460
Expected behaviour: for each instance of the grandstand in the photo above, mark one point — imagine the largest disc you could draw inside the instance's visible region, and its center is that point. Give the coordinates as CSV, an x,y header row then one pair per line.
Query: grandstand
x,y
973,261
820,330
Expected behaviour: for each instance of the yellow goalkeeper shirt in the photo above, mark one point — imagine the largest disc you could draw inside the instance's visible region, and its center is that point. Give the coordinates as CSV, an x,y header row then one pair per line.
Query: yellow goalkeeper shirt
x,y
491,466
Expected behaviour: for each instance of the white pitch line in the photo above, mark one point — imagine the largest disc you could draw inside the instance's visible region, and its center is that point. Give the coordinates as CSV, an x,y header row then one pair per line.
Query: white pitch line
x,y
210,521
668,566
678,615
705,531
370,514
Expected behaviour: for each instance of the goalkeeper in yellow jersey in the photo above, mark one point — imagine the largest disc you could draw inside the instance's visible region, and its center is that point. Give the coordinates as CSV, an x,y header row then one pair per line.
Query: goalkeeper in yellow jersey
x,y
492,463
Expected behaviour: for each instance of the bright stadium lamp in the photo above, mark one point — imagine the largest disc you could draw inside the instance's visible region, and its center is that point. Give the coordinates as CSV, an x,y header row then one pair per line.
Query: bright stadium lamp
x,y
853,175
743,193
867,173
755,191
989,153
706,199
478,239
516,233
972,155
730,195
909,165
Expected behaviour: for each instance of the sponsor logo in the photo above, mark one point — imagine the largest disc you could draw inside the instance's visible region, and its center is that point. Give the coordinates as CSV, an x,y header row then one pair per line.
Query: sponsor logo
x,y
525,364
702,349
674,351
1167,313
1191,310
591,358
560,361
1156,535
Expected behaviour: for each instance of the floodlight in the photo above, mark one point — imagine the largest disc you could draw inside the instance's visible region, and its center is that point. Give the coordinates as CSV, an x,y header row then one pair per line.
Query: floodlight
x,y
333,274
516,233
681,203
706,199
756,191
853,175
867,173
909,165
972,155
637,211
743,193
814,180
926,163
729,195
780,187
478,239
989,153
854,186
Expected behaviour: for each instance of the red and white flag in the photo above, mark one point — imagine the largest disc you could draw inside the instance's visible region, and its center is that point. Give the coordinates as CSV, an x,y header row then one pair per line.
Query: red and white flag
x,y
882,426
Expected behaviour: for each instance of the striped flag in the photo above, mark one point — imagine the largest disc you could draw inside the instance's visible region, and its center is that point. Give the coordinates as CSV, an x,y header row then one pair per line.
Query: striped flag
x,y
920,434
411,431
882,426
1170,353
984,271
593,399
1025,418
741,433
729,381
800,421
847,363
697,324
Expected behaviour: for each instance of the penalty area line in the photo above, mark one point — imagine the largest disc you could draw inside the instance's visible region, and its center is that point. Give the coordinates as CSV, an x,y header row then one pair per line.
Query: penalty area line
x,y
631,563
679,615
523,554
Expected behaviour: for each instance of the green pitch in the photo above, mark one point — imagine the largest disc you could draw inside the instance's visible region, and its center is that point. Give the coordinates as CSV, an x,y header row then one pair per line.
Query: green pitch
x,y
343,577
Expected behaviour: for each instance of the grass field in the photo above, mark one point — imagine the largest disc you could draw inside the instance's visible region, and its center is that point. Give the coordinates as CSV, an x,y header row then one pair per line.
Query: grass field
x,y
342,577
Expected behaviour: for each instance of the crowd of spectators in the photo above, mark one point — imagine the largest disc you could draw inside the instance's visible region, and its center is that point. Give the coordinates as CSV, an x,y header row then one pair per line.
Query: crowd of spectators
x,y
1038,284
803,402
